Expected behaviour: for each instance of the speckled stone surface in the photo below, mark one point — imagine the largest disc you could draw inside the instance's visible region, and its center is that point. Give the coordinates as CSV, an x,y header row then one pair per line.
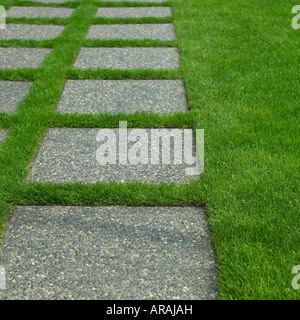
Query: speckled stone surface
x,y
163,31
128,58
14,58
2,135
123,96
69,155
134,12
30,32
108,253
39,12
11,94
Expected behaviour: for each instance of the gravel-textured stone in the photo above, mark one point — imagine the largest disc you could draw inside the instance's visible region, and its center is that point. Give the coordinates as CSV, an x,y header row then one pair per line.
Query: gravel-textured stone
x,y
11,94
69,155
134,12
108,253
30,32
123,96
163,31
39,12
128,58
14,58
2,135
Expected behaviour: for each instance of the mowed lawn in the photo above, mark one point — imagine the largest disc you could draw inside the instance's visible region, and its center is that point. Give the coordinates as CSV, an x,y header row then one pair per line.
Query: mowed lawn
x,y
240,62
241,69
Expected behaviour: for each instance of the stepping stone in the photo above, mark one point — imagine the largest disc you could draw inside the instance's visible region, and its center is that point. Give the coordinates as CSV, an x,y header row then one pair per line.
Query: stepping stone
x,y
123,96
39,12
117,253
135,12
2,135
12,93
30,32
14,58
128,58
75,155
157,31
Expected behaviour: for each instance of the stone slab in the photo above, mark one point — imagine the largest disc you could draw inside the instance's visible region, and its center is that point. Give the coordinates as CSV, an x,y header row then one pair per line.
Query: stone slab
x,y
70,155
123,96
130,253
39,12
11,94
135,12
128,58
163,31
14,58
30,32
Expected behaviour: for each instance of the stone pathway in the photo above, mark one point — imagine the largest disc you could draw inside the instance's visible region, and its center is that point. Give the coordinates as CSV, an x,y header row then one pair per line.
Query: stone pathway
x,y
128,58
39,12
12,93
126,96
69,155
15,58
108,253
101,252
164,31
30,32
134,12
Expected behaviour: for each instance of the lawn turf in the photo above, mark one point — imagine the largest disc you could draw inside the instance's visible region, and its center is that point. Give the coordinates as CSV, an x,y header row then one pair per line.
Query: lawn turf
x,y
239,64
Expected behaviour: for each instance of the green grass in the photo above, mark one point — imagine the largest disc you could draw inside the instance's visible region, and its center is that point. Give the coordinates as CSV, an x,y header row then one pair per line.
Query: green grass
x,y
240,61
239,64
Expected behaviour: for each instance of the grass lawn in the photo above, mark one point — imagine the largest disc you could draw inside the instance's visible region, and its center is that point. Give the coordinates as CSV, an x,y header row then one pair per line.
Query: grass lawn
x,y
240,64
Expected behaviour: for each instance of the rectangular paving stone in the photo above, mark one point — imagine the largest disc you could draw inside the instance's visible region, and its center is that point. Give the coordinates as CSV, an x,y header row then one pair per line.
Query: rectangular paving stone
x,y
128,58
11,94
163,31
123,96
115,253
75,155
30,32
2,135
134,12
39,12
14,58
